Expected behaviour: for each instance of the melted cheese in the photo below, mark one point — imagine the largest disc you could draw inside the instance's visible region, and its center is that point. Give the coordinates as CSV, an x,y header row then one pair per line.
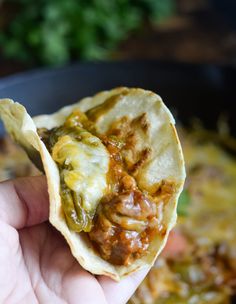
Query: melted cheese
x,y
212,188
86,163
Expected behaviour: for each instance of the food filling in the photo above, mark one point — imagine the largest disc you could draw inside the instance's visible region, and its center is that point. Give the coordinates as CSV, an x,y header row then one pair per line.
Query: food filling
x,y
99,193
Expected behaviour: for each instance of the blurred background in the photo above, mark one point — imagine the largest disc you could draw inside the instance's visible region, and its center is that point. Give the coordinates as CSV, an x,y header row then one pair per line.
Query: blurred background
x,y
58,32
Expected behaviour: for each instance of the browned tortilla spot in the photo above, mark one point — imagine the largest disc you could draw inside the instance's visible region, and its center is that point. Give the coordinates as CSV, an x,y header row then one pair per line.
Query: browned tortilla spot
x,y
141,121
120,127
144,155
131,141
144,122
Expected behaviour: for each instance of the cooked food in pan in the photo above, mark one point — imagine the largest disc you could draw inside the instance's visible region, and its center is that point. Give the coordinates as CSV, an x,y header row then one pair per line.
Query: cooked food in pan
x,y
115,170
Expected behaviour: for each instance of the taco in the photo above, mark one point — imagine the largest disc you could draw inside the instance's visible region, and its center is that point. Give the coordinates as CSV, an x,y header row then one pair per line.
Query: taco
x,y
114,168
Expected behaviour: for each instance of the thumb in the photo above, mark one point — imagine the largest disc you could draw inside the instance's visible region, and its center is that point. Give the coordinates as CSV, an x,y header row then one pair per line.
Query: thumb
x,y
24,201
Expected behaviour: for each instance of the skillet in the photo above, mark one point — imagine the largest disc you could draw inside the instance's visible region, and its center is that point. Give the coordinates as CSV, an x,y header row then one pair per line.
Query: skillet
x,y
203,91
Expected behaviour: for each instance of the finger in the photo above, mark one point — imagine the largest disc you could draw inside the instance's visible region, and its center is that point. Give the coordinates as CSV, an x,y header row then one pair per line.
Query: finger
x,y
176,245
24,201
79,286
120,292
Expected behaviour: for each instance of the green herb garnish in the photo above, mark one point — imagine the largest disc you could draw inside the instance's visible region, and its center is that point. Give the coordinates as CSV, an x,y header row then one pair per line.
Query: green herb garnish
x,y
183,203
58,31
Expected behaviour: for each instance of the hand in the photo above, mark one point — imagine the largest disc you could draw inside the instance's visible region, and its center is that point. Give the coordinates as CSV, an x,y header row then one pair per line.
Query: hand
x,y
36,265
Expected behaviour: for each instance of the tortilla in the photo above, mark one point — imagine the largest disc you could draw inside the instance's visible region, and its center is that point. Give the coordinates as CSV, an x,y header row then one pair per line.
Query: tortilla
x,y
157,133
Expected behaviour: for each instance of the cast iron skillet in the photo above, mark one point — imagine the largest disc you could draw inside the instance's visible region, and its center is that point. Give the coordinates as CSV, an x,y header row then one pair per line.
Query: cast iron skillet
x,y
203,91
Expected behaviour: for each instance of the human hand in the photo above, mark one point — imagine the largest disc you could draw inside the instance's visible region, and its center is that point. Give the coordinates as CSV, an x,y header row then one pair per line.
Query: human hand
x,y
36,262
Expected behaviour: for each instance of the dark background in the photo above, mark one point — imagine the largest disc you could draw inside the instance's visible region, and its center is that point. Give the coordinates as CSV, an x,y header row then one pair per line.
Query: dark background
x,y
197,31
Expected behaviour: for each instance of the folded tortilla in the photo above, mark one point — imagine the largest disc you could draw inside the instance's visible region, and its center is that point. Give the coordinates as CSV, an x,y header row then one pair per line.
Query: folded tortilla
x,y
136,114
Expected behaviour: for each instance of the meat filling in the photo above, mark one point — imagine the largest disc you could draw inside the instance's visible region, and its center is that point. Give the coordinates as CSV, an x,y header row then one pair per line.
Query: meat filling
x,y
124,227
